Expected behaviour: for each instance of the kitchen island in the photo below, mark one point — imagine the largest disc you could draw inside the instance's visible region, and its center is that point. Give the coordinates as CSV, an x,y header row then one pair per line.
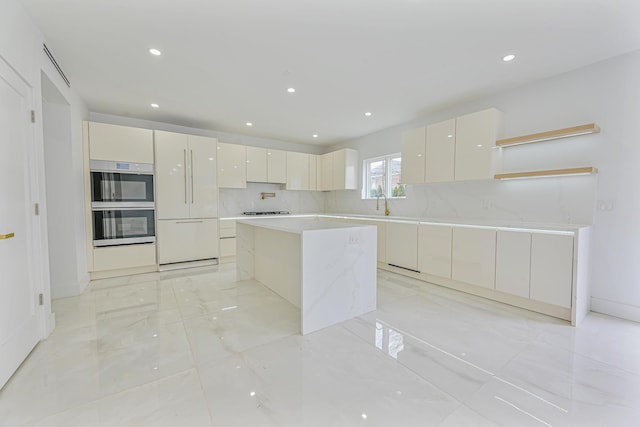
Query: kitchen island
x,y
326,269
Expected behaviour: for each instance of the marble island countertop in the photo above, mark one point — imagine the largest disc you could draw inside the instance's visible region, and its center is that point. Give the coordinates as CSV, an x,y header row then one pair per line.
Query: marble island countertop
x,y
494,224
295,224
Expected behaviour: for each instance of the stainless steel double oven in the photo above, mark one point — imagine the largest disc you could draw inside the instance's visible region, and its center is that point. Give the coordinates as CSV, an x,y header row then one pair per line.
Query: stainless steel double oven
x,y
122,203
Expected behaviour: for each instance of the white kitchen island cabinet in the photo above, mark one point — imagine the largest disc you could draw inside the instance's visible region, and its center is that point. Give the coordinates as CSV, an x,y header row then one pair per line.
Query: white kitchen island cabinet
x,y
326,269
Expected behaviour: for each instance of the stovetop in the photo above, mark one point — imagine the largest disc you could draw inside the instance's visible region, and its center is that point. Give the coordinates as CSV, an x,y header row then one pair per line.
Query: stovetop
x,y
267,213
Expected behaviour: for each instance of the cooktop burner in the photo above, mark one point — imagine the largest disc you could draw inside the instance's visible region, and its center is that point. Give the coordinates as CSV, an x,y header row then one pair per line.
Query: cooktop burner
x,y
267,213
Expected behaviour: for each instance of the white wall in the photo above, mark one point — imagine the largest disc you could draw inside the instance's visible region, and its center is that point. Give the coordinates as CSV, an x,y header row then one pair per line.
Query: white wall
x,y
607,93
21,47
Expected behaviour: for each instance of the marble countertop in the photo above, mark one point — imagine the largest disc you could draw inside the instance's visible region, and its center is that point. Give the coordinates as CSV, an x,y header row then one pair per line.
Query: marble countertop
x,y
493,224
296,224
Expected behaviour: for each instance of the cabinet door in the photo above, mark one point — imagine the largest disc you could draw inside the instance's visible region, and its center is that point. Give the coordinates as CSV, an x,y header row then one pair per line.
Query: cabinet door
x,y
513,262
345,169
413,156
474,256
475,138
256,164
128,256
276,166
313,172
232,170
402,245
120,143
552,269
298,171
440,151
434,250
326,172
172,177
187,240
203,183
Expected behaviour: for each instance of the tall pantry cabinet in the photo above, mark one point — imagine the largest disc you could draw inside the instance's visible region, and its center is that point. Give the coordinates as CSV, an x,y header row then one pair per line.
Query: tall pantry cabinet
x,y
186,197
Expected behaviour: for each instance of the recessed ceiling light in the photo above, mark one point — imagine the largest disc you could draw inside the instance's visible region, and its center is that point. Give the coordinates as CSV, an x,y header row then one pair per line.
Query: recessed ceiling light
x,y
155,52
315,135
291,90
249,124
509,57
155,105
368,114
449,136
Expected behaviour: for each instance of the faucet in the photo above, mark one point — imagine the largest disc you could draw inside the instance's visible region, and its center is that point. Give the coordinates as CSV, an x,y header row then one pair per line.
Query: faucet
x,y
386,205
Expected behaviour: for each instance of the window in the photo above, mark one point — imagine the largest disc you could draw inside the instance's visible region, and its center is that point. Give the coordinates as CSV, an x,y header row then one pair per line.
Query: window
x,y
382,177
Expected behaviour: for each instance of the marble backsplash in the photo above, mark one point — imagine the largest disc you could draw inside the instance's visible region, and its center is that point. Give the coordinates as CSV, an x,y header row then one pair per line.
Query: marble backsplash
x,y
233,202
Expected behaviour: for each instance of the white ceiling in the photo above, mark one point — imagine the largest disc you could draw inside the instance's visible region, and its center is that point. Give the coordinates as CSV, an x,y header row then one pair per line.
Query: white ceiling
x,y
226,62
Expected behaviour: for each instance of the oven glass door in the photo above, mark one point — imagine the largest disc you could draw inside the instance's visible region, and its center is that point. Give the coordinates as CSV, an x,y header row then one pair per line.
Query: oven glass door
x,y
121,187
123,227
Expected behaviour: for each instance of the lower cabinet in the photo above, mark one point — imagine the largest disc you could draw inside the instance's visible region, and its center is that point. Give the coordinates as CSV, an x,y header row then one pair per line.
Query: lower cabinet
x,y
227,229
181,240
474,256
513,262
551,269
402,245
121,257
434,250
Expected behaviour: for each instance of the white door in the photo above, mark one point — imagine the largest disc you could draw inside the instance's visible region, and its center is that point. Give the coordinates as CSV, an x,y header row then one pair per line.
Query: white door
x,y
172,193
19,323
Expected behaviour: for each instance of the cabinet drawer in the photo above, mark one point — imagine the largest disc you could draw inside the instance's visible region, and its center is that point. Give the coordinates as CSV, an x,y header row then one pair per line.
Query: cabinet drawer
x,y
228,247
118,257
187,240
227,228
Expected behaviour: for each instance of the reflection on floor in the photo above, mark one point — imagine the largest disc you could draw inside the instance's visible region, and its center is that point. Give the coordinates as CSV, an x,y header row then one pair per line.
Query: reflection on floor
x,y
197,348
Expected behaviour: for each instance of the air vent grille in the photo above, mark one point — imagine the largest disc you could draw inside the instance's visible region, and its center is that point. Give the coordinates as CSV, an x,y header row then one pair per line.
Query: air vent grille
x,y
55,64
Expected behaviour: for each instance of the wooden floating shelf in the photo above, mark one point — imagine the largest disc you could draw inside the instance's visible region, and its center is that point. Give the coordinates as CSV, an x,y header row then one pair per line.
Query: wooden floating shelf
x,y
549,135
553,172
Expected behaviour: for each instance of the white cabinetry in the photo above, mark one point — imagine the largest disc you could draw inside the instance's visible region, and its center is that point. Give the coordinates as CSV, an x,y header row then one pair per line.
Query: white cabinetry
x,y
345,169
232,166
325,183
227,231
266,165
513,262
440,151
276,166
256,164
185,176
474,256
552,269
123,257
298,171
476,136
434,250
402,245
313,171
413,156
187,197
120,143
187,240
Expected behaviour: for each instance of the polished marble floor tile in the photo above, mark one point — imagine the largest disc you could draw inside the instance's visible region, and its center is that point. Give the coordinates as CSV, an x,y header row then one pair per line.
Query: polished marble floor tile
x,y
198,348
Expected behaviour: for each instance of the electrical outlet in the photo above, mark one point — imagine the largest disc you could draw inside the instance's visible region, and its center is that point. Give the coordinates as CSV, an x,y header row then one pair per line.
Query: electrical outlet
x,y
354,239
605,205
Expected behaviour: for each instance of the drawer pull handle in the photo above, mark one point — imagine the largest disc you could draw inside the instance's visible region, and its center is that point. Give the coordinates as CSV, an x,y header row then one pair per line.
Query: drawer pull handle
x,y
188,222
7,236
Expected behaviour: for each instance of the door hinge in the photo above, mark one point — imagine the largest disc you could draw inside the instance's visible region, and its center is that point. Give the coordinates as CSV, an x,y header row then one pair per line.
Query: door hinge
x,y
33,116
40,299
36,208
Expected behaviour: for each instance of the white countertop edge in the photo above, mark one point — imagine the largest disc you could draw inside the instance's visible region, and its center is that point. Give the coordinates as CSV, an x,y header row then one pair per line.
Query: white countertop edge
x,y
299,225
568,230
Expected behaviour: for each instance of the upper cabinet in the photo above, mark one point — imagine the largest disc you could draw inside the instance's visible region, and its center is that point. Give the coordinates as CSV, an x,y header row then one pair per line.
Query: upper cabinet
x,y
338,170
299,171
266,165
313,171
325,177
120,143
413,156
476,136
457,149
232,166
185,176
440,151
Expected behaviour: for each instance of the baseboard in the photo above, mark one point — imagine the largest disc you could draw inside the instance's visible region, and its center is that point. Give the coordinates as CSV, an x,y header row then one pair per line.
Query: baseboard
x,y
615,309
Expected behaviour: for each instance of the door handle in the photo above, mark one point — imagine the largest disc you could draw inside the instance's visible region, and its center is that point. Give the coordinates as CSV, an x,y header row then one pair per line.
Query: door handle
x,y
185,175
189,222
191,167
7,236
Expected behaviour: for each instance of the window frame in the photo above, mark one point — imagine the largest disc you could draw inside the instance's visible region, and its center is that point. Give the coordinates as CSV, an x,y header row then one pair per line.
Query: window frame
x,y
366,176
